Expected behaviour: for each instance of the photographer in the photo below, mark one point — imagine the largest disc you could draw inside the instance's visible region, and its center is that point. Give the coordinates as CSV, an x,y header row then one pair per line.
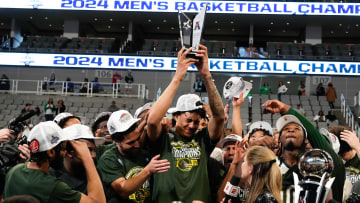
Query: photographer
x,y
48,142
5,136
10,153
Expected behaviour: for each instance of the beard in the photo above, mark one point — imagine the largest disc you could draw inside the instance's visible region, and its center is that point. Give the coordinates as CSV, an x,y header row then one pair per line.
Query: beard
x,y
58,161
130,153
78,169
290,146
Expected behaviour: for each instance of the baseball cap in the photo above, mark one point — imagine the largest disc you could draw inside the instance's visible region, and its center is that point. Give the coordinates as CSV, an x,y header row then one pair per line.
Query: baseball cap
x,y
120,121
284,120
78,131
146,106
228,138
45,136
103,116
234,86
261,125
188,102
61,116
332,139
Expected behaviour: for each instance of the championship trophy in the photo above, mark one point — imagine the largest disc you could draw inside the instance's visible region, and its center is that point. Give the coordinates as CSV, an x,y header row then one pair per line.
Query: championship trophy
x,y
316,166
191,30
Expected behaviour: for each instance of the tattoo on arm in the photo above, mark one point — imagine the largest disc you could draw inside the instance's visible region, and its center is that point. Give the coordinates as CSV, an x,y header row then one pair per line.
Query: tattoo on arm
x,y
215,101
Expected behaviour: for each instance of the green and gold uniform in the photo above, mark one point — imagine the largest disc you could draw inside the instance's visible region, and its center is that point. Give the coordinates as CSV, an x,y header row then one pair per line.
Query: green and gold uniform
x,y
352,169
187,178
21,180
112,166
317,141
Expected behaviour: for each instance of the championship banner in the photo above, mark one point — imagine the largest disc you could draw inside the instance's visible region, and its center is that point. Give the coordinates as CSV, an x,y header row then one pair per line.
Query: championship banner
x,y
149,63
221,7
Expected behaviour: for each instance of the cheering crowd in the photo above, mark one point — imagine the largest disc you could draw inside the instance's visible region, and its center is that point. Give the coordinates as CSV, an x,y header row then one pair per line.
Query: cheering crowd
x,y
185,157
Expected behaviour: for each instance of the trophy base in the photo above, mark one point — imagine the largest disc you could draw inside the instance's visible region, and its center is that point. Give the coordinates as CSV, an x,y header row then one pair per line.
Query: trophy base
x,y
192,55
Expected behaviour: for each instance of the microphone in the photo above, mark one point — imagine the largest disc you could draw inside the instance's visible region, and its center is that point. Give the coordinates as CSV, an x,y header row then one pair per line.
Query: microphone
x,y
232,189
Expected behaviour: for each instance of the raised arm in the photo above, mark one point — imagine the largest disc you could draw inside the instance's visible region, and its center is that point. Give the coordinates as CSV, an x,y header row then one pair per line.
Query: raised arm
x,y
95,189
236,118
316,140
163,103
351,138
216,122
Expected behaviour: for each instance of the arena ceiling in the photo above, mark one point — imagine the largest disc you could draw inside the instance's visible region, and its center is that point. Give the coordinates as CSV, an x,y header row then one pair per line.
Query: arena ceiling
x,y
48,21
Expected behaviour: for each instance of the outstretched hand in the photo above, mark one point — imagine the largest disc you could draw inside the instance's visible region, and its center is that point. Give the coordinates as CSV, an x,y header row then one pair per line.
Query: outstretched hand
x,y
275,106
157,166
240,151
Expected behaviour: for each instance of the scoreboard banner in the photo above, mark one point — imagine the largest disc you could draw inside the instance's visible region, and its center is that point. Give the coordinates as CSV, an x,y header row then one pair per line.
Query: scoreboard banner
x,y
221,7
151,63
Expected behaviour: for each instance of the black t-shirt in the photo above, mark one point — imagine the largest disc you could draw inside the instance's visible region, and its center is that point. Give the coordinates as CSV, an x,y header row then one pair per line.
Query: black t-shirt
x,y
216,173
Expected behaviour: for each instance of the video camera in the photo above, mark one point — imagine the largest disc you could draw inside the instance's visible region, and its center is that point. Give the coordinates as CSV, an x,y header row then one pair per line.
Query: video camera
x,y
9,152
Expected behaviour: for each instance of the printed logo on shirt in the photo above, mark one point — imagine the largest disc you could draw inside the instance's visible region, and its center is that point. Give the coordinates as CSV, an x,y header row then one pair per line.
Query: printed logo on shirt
x,y
144,192
186,155
352,173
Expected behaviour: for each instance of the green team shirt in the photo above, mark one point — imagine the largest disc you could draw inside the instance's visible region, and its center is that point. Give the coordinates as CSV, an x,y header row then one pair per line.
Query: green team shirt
x,y
100,149
317,141
187,178
21,180
352,169
75,183
112,165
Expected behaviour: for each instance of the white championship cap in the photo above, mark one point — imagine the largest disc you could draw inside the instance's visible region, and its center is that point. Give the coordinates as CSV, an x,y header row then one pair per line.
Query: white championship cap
x,y
61,116
228,138
261,125
146,106
78,131
234,86
45,136
188,102
332,139
120,121
284,120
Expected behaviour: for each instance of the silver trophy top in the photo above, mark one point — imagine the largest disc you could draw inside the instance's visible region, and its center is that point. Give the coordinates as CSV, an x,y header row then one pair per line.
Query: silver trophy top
x,y
315,163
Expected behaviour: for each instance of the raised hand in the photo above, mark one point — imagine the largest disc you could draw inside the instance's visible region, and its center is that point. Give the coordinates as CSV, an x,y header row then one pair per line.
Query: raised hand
x,y
226,112
275,106
236,102
203,64
183,63
240,151
351,138
81,149
157,166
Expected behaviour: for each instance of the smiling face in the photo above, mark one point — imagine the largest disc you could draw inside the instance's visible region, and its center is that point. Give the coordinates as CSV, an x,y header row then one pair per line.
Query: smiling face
x,y
130,145
292,136
187,123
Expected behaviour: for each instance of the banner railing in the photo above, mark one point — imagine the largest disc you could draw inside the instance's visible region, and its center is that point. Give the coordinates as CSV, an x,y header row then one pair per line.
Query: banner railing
x,y
66,88
349,116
